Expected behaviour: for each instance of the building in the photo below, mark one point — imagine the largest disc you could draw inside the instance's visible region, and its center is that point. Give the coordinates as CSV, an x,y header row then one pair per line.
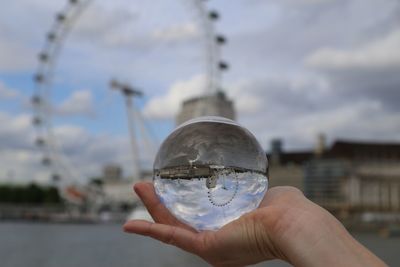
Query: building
x,y
112,173
209,105
367,175
325,181
287,168
374,187
117,190
348,177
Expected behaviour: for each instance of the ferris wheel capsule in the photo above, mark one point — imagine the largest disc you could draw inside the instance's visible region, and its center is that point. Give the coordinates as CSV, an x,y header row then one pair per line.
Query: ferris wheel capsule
x,y
213,15
223,65
55,177
37,121
43,57
51,36
46,161
61,17
39,78
36,100
40,142
220,39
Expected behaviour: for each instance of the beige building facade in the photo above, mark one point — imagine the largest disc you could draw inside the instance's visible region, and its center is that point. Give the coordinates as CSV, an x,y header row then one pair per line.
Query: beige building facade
x,y
209,105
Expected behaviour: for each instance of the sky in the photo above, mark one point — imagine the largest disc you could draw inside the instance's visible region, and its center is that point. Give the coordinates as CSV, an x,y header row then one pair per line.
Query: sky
x,y
298,68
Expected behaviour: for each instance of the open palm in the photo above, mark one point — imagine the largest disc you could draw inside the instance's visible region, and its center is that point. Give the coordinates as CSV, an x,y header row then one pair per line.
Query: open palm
x,y
286,226
241,242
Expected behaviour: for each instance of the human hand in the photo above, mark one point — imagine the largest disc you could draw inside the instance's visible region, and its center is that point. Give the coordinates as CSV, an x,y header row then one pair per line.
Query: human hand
x,y
286,226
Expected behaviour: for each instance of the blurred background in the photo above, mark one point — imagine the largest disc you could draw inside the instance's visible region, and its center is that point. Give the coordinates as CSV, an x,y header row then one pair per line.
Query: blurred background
x,y
90,88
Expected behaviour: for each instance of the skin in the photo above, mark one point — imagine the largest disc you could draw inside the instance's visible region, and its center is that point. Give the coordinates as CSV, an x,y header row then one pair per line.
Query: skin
x,y
286,226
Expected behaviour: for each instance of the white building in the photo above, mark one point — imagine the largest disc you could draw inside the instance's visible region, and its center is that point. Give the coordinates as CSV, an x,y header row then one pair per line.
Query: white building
x,y
209,105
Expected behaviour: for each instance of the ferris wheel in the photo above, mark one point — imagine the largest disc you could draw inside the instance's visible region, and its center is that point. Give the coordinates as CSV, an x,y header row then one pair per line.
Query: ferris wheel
x,y
62,172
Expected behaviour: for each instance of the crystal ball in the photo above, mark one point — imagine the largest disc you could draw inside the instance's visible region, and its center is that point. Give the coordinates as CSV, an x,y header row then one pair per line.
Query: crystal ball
x,y
210,171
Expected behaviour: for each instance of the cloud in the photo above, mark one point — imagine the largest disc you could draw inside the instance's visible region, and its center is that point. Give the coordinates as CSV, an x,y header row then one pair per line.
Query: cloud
x,y
352,92
18,158
7,93
176,33
16,131
18,41
381,53
15,56
80,153
20,165
297,108
299,67
127,27
280,94
109,24
360,119
80,103
296,3
86,153
280,41
166,106
369,71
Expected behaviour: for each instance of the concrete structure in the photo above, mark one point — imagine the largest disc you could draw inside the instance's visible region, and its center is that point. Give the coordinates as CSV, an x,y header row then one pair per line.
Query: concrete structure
x,y
119,194
210,105
112,173
355,176
325,180
374,187
116,189
286,168
348,177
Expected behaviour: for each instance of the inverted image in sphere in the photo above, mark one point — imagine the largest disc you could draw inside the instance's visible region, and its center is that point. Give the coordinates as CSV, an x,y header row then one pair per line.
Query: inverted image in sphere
x,y
210,171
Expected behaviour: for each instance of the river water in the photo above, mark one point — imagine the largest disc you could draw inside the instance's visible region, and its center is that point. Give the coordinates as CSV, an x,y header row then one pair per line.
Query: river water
x,y
57,245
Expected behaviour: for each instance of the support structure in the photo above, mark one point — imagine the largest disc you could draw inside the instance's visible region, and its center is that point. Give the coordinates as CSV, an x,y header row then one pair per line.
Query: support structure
x,y
129,93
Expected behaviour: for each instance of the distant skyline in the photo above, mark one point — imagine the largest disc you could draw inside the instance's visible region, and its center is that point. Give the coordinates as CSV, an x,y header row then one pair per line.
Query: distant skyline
x,y
299,68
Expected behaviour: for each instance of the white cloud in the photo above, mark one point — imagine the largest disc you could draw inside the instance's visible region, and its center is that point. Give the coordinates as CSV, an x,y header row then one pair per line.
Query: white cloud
x,y
15,131
80,154
109,23
176,33
382,53
21,165
274,39
15,56
18,159
167,105
8,93
85,153
360,119
369,71
297,108
80,103
303,2
277,93
246,101
126,27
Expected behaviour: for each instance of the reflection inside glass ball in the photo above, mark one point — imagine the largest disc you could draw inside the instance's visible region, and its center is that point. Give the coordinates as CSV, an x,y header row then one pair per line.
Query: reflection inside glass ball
x,y
210,171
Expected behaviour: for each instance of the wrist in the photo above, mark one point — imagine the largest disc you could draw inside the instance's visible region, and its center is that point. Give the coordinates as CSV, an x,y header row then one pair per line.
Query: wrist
x,y
315,238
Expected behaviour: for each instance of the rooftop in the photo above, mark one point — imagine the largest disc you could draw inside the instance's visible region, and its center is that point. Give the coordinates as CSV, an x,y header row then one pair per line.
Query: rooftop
x,y
345,149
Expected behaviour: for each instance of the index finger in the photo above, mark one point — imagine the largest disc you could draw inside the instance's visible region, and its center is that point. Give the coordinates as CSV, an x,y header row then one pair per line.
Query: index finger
x,y
157,210
172,235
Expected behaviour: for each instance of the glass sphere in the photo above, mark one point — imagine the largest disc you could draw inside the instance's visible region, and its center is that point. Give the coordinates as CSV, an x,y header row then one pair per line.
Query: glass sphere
x,y
210,171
